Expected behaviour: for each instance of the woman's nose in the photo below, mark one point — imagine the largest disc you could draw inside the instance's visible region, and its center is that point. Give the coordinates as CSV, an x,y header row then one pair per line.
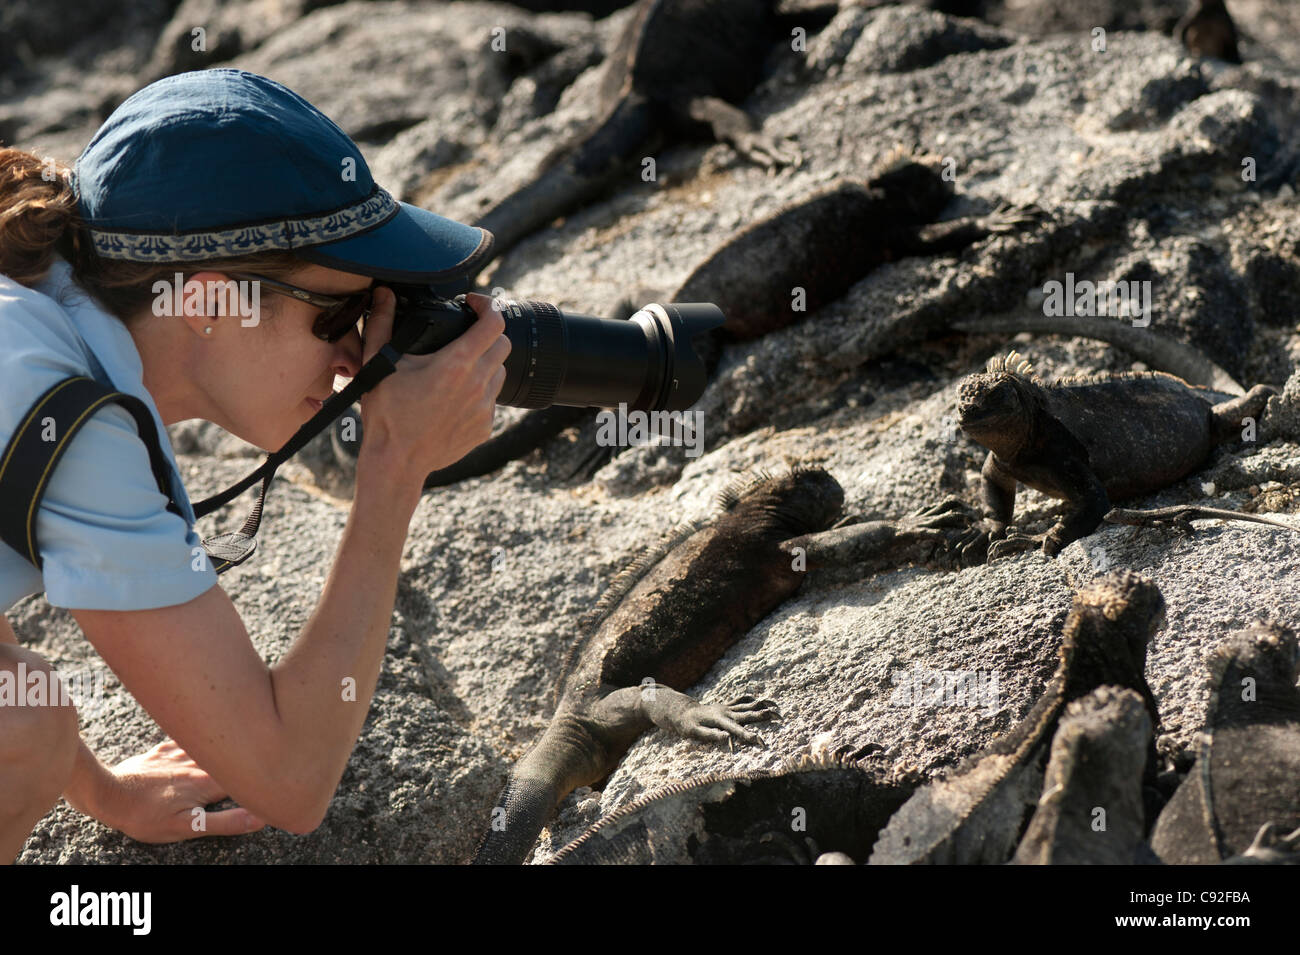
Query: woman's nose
x,y
347,355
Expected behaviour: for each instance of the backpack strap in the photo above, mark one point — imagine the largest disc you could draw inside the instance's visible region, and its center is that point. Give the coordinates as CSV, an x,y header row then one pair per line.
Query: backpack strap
x,y
41,439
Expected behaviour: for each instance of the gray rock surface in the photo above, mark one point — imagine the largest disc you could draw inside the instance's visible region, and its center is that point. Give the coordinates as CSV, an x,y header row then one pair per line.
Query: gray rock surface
x,y
1136,154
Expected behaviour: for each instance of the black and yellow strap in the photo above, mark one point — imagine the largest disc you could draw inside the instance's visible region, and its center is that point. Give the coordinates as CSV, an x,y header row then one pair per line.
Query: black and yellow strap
x,y
39,442
50,424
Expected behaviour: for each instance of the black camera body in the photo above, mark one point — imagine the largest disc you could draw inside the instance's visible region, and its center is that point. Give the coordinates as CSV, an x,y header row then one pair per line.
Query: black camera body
x,y
647,362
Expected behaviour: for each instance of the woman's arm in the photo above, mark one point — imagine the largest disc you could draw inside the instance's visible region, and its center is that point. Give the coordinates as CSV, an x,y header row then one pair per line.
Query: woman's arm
x,y
277,738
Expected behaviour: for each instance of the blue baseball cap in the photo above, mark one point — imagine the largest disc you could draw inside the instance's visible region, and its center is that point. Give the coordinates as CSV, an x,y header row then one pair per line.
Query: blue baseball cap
x,y
218,163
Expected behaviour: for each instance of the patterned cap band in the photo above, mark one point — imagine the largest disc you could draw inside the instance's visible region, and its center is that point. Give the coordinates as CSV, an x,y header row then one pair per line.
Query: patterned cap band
x,y
293,233
224,163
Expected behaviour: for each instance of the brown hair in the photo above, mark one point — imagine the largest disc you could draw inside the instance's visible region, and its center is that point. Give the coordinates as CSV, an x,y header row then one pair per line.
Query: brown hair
x,y
38,217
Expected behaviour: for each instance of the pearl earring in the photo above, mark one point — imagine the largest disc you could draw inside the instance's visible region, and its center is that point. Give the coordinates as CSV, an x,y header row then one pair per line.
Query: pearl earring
x,y
207,330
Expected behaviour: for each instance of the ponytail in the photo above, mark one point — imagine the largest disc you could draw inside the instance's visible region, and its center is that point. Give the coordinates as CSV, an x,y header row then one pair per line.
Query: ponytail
x,y
38,215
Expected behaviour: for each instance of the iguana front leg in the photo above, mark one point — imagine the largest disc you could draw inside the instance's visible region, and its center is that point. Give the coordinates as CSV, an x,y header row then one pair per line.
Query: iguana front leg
x,y
997,494
998,501
678,713
734,126
1089,501
1071,478
957,234
928,536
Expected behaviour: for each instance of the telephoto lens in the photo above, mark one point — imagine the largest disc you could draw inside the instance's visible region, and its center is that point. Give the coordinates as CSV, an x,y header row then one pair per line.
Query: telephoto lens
x,y
647,362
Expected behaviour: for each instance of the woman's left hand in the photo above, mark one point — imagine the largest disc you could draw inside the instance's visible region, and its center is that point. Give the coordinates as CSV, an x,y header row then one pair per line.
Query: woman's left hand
x,y
156,794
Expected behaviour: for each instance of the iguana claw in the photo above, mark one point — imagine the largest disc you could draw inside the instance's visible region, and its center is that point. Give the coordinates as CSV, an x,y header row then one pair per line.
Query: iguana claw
x,y
764,151
950,512
1010,218
714,722
847,752
1014,544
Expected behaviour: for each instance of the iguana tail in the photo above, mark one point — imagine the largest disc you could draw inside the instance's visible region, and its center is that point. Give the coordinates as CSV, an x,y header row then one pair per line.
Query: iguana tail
x,y
520,814
572,175
567,756
1162,354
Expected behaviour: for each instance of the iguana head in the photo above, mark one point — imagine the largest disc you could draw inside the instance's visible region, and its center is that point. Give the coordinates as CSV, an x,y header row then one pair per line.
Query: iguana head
x,y
996,407
1106,635
1256,667
1130,601
912,184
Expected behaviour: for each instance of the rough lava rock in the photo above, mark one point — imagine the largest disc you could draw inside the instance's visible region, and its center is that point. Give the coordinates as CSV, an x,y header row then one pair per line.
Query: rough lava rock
x,y
1137,156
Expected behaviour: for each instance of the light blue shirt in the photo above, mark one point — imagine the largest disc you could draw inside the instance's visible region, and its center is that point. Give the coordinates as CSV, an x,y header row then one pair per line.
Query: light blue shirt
x,y
104,531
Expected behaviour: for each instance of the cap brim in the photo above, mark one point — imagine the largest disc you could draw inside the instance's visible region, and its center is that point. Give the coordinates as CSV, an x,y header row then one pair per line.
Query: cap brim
x,y
413,246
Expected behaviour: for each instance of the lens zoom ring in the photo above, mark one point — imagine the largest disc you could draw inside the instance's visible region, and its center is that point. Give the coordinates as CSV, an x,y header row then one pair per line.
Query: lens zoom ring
x,y
546,359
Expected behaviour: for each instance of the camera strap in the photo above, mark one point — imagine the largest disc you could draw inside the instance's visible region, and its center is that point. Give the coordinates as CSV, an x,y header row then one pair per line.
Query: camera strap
x,y
44,433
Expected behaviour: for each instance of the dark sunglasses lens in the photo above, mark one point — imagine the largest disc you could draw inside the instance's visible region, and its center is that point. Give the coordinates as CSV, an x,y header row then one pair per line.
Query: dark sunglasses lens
x,y
333,323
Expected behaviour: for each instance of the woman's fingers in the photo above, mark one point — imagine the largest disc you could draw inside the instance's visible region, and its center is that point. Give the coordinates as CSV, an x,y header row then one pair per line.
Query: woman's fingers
x,y
485,333
379,325
229,822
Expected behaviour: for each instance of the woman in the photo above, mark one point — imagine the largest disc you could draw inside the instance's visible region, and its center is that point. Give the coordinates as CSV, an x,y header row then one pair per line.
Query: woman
x,y
215,174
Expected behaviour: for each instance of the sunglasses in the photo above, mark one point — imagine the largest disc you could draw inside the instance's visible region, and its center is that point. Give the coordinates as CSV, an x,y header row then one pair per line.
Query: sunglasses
x,y
338,316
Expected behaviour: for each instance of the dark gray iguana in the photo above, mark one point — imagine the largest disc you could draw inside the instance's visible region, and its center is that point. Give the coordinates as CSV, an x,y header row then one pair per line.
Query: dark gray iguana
x,y
788,816
822,244
1091,811
664,621
975,815
678,65
1247,771
1091,440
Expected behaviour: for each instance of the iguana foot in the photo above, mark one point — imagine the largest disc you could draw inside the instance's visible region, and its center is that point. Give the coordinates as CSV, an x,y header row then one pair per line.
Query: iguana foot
x,y
764,151
1012,218
1016,543
950,512
973,547
848,753
710,722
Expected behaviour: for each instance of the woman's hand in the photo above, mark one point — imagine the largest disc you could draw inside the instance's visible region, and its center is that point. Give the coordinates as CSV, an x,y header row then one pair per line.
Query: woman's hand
x,y
155,795
435,408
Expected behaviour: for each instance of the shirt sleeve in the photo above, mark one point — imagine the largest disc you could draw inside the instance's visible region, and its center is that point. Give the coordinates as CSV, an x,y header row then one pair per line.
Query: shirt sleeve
x,y
104,531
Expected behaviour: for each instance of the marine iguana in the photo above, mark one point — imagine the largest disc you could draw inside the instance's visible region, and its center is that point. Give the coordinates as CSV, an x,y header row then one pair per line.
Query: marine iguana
x,y
975,815
1091,810
822,244
679,65
786,816
1089,440
1207,30
663,622
1248,759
